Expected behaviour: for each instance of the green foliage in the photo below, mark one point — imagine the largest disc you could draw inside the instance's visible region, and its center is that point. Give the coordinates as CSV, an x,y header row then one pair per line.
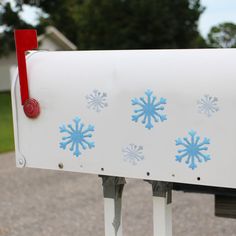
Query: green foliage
x,y
127,24
223,36
120,24
63,15
6,125
10,18
114,24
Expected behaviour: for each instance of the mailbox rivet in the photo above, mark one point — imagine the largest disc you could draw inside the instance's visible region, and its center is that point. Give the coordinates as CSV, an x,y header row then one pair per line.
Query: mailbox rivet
x,y
21,162
60,165
31,108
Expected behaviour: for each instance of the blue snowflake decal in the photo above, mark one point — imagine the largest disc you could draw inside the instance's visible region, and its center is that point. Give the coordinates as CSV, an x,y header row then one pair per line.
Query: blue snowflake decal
x,y
149,109
76,137
97,100
193,149
208,105
133,153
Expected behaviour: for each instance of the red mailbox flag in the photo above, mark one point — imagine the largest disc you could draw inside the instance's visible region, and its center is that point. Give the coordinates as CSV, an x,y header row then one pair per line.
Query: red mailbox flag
x,y
26,40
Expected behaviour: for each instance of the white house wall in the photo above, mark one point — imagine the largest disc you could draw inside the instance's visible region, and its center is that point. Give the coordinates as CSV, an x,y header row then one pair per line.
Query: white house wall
x,y
49,44
5,64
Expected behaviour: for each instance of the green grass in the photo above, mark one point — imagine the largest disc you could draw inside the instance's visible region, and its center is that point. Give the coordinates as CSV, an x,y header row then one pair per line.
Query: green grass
x,y
6,125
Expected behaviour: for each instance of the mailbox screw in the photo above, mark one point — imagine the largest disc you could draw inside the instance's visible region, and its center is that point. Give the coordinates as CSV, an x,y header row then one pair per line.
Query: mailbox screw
x,y
21,162
60,165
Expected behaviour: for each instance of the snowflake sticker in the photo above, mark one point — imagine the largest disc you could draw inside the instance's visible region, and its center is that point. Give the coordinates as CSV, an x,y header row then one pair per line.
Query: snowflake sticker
x,y
97,100
208,105
133,153
77,137
149,109
193,150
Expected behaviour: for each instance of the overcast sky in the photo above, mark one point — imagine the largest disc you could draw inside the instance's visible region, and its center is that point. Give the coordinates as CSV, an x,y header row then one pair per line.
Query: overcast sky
x,y
217,11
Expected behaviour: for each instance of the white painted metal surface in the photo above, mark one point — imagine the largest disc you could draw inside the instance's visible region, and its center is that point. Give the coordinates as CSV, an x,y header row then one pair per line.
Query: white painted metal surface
x,y
111,229
162,217
196,89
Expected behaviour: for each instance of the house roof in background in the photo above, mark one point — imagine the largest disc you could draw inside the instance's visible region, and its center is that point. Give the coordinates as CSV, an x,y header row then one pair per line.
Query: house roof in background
x,y
56,35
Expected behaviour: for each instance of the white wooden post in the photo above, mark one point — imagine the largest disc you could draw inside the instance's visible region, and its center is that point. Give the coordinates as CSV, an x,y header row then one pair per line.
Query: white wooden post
x,y
162,208
112,191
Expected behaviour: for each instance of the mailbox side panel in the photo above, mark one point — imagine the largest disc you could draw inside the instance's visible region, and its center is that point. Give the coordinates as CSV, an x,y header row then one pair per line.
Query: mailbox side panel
x,y
157,114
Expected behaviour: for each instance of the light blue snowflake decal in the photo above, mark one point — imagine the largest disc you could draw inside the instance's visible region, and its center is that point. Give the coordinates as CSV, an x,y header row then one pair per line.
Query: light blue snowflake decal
x,y
208,105
133,153
193,149
76,136
97,100
149,109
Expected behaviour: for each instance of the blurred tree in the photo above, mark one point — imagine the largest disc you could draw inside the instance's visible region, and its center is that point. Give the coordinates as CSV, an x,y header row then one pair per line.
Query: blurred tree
x,y
127,24
114,24
223,36
10,20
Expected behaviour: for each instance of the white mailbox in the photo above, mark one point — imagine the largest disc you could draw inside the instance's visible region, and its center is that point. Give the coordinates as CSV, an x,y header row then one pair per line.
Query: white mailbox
x,y
166,115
